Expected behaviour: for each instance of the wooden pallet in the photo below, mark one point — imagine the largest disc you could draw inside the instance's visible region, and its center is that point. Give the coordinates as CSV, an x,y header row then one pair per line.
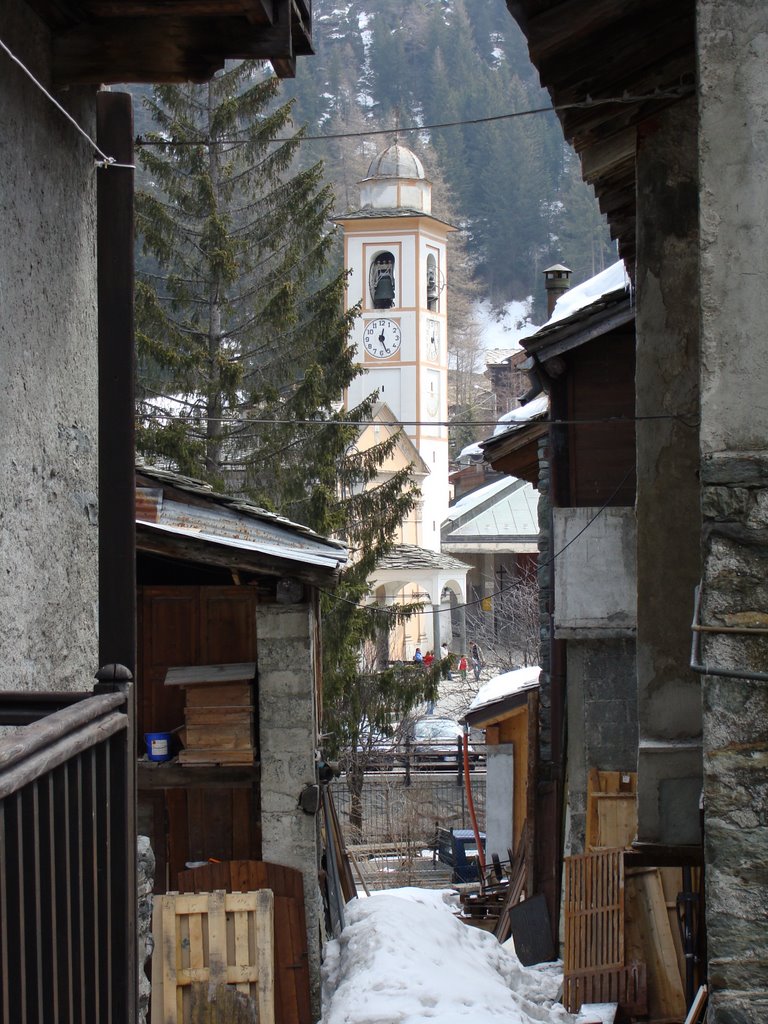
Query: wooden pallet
x,y
292,998
219,939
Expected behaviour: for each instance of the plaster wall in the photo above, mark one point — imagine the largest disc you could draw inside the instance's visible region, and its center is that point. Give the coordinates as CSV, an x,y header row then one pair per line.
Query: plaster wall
x,y
48,369
595,572
287,744
602,721
668,513
733,162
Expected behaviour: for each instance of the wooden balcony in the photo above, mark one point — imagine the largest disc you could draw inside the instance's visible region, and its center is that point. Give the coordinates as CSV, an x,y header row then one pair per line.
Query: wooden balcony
x,y
67,858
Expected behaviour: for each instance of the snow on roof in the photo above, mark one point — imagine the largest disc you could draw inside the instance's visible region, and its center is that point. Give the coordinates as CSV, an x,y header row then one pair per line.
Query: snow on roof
x,y
523,414
571,301
499,511
469,501
471,451
505,685
404,956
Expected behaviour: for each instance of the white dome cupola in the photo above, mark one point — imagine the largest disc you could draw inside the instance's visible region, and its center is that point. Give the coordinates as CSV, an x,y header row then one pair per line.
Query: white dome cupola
x,y
396,181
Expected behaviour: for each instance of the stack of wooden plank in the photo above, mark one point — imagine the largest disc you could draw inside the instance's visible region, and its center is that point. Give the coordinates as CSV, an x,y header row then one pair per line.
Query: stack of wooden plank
x,y
218,713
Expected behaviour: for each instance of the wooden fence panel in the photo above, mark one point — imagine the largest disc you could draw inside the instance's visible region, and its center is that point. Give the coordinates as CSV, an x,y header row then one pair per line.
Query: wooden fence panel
x,y
218,938
594,911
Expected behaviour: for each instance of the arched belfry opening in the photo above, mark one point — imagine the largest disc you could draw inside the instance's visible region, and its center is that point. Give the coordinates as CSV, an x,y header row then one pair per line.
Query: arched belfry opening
x,y
381,280
433,286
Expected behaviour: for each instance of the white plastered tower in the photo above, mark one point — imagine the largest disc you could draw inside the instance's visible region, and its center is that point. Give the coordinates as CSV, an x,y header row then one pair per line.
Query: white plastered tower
x,y
396,253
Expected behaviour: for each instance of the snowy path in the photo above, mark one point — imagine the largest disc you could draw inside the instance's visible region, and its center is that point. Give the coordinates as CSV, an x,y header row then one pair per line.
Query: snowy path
x,y
404,958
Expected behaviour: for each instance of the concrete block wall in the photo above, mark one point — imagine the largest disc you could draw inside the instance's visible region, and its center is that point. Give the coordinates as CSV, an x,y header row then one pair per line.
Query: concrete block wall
x,y
48,369
602,721
287,743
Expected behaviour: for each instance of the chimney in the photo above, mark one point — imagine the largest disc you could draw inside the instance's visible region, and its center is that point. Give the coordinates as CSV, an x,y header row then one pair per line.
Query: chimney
x,y
557,280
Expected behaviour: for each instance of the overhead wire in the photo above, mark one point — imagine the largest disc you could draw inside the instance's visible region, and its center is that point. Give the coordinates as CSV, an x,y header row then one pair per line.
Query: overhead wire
x,y
585,104
377,609
105,161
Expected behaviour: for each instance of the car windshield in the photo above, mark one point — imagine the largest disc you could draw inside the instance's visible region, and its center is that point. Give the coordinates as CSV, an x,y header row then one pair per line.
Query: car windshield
x,y
437,729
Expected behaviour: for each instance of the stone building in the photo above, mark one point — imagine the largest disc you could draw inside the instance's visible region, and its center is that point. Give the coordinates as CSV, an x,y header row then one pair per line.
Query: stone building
x,y
664,104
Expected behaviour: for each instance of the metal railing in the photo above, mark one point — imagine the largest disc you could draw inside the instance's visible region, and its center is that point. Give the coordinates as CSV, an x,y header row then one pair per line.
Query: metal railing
x,y
67,858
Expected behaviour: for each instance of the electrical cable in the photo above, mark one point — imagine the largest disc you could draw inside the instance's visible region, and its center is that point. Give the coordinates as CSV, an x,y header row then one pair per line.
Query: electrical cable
x,y
512,586
588,103
105,161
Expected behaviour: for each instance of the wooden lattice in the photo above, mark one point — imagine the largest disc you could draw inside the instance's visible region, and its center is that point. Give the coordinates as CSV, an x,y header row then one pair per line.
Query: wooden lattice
x,y
594,928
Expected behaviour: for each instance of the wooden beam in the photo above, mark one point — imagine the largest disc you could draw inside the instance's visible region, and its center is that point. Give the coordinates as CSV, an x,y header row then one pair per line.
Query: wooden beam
x,y
603,157
154,775
166,48
117,492
561,24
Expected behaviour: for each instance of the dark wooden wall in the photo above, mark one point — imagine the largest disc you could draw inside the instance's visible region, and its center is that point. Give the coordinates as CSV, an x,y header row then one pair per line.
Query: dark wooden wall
x,y
600,387
203,811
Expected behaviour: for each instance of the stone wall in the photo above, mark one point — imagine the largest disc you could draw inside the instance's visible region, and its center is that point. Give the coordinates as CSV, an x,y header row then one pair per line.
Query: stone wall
x,y
287,743
48,353
733,161
145,878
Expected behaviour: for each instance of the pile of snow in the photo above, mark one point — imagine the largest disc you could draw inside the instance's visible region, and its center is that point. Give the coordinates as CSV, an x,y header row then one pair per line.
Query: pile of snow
x,y
505,685
590,291
404,958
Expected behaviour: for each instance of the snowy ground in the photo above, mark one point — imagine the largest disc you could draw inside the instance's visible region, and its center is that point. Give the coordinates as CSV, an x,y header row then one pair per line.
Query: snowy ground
x,y
405,958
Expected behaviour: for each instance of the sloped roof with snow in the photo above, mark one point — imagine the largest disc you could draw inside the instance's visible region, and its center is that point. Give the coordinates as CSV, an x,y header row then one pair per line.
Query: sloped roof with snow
x,y
502,689
505,510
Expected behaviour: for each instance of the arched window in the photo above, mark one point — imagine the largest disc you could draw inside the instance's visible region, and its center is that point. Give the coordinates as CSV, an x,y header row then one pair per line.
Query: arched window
x,y
433,285
381,280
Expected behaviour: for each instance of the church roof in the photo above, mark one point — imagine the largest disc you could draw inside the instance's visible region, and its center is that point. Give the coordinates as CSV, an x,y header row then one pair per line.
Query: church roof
x,y
410,556
369,211
396,162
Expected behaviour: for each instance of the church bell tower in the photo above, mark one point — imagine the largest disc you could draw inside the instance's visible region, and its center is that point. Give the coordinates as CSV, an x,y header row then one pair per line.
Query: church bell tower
x,y
396,253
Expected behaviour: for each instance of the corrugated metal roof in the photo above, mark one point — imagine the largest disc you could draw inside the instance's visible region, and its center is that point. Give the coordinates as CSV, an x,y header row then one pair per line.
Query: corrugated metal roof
x,y
235,503
229,521
308,554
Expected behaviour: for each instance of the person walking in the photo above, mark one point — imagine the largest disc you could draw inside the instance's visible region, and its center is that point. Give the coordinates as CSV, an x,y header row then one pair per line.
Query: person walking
x,y
418,657
445,653
463,666
476,657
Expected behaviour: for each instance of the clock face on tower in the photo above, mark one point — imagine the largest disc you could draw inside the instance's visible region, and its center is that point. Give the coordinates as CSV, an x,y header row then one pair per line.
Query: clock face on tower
x,y
433,340
381,338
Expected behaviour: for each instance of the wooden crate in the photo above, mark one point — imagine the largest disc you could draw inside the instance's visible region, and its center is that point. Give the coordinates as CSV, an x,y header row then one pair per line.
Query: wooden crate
x,y
611,809
224,695
219,728
218,713
215,938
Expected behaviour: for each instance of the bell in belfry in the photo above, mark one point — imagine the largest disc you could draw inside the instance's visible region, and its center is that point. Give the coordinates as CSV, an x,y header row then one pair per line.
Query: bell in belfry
x,y
384,293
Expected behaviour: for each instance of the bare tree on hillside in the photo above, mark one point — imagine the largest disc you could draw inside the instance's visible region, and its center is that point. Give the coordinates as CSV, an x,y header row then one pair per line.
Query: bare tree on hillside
x,y
508,635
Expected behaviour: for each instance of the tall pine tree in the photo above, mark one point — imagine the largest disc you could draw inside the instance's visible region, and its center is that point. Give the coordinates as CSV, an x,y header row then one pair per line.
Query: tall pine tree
x,y
244,352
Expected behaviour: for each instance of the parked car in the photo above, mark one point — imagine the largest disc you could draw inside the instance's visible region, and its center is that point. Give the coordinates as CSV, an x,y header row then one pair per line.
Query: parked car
x,y
435,743
376,749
